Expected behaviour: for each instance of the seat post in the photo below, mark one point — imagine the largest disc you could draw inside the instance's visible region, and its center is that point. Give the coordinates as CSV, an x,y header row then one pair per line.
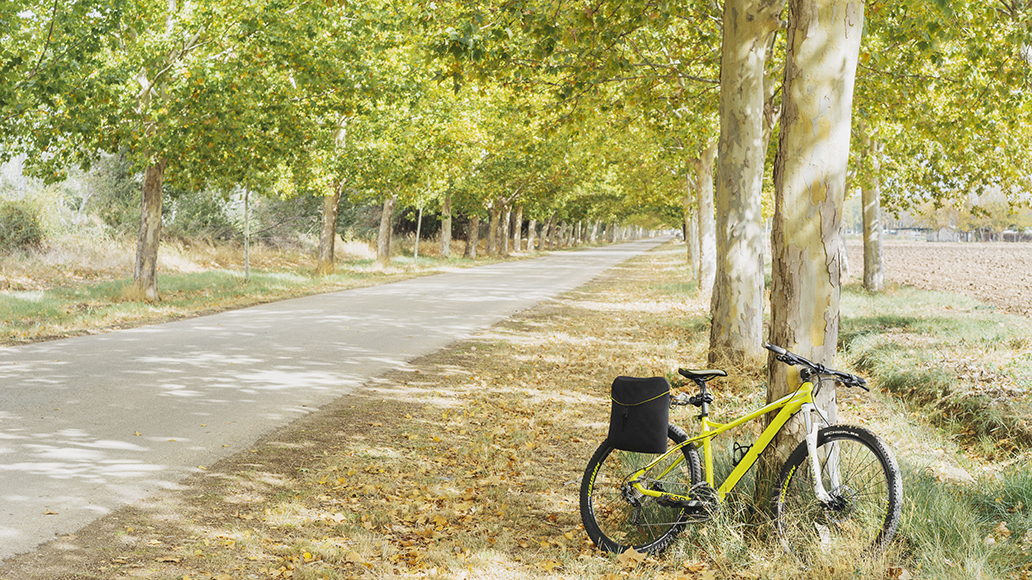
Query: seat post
x,y
704,407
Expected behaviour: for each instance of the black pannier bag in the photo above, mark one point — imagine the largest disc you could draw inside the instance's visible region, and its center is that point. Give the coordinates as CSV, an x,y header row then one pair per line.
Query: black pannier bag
x,y
641,412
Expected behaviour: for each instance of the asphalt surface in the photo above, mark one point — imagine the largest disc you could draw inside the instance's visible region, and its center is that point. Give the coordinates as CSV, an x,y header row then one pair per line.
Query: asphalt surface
x,y
90,424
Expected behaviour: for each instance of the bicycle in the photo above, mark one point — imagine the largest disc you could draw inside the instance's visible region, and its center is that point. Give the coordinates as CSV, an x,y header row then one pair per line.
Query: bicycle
x,y
841,486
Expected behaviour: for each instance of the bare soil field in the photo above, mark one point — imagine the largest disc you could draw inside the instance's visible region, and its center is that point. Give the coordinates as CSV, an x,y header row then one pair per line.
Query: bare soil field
x,y
998,273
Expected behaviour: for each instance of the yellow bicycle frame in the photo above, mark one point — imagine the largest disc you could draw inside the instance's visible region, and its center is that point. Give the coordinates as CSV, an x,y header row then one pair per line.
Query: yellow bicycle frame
x,y
789,405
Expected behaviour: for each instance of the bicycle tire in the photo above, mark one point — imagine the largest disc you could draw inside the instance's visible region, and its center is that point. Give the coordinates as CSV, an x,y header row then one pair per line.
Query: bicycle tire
x,y
610,519
866,504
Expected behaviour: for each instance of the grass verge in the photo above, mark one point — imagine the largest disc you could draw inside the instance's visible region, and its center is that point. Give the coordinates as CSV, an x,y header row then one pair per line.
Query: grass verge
x,y
58,293
956,361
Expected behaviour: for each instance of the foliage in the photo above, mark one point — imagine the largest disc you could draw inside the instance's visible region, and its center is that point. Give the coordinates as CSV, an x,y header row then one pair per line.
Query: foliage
x,y
945,87
20,227
198,216
987,213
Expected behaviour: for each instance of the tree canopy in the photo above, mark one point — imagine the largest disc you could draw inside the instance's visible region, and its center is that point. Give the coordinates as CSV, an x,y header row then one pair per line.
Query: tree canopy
x,y
576,110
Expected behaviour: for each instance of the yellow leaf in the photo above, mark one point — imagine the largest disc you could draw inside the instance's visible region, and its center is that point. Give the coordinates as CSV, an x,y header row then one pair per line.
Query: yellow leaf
x,y
49,513
568,536
631,557
549,565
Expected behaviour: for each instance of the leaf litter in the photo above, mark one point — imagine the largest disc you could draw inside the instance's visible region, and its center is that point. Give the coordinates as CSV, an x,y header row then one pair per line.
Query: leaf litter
x,y
464,464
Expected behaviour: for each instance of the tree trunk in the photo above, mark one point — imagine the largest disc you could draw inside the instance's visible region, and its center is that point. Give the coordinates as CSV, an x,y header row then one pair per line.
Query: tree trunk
x,y
870,197
328,234
737,300
809,187
446,226
548,235
247,234
504,233
472,237
690,232
492,230
707,220
695,255
517,230
383,240
145,275
531,235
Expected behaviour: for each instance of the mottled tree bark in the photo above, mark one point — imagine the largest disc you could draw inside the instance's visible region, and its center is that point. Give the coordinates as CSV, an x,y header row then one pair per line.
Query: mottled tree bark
x,y
446,226
383,239
145,272
517,230
328,233
810,184
737,298
472,237
492,229
506,220
548,235
707,220
870,197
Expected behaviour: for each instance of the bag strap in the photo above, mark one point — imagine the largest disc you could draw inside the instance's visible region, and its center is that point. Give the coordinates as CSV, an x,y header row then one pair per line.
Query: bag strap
x,y
667,392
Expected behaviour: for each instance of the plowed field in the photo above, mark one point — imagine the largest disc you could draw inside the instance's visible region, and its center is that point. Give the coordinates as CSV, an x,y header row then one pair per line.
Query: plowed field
x,y
998,273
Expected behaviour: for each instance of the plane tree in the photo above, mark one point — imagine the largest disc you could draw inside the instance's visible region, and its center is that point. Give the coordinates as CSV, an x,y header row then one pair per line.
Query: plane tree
x,y
195,94
942,109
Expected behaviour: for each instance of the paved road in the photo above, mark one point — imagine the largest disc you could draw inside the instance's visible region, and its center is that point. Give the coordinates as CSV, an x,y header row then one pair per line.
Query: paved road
x,y
90,424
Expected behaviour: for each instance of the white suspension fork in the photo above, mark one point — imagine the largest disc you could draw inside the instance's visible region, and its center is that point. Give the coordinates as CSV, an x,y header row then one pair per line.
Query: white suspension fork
x,y
815,461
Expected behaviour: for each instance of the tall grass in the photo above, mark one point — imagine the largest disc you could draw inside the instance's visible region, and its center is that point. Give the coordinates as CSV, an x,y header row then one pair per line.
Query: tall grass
x,y
955,360
967,532
961,371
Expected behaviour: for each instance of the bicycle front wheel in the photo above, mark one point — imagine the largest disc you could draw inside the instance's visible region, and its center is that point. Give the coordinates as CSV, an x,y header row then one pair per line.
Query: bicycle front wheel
x,y
862,478
616,517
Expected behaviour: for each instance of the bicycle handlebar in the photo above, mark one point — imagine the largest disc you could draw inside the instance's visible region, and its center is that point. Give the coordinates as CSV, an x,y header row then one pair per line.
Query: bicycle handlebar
x,y
793,359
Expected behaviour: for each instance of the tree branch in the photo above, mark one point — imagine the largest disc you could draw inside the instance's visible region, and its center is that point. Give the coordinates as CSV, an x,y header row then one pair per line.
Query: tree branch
x,y
50,34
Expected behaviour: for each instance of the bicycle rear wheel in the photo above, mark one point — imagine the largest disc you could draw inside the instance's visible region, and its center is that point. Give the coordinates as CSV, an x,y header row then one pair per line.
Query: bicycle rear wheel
x,y
617,520
863,479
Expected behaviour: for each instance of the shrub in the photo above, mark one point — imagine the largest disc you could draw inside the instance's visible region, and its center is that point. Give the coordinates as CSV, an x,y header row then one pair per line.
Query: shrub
x,y
199,215
19,227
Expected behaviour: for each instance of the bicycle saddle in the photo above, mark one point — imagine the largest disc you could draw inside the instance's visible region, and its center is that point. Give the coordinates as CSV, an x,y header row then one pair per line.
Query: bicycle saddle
x,y
701,375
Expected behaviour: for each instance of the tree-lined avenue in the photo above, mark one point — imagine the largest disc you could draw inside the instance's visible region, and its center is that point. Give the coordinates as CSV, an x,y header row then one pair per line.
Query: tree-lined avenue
x,y
92,423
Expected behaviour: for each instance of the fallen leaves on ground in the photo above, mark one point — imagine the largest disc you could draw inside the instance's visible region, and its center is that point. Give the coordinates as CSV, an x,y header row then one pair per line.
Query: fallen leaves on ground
x,y
464,465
